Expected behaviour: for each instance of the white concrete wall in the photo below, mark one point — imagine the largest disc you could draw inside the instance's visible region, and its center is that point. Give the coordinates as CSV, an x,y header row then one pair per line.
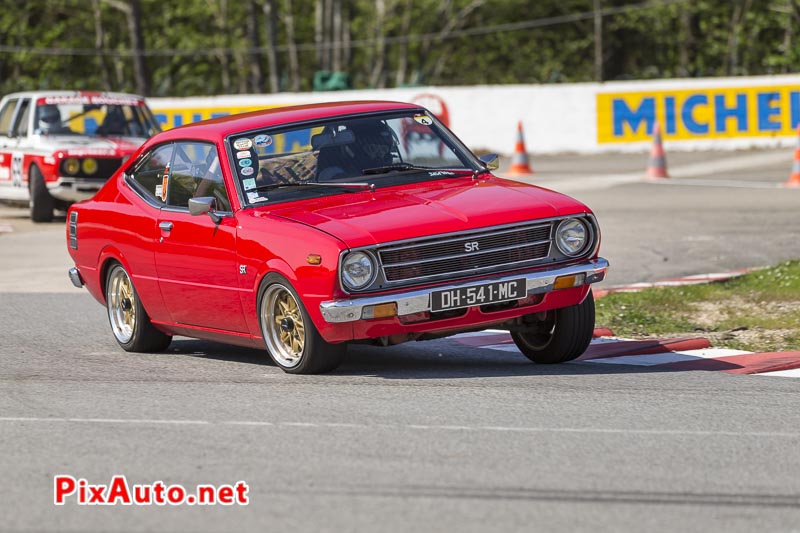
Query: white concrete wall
x,y
568,117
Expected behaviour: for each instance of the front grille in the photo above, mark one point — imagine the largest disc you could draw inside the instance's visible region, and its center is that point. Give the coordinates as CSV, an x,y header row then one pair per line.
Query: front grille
x,y
449,256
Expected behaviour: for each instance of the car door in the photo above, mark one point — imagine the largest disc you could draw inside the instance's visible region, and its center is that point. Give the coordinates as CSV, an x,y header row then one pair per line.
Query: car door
x,y
7,147
196,257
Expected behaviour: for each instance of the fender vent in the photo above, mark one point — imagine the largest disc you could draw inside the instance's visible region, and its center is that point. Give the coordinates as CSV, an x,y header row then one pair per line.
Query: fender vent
x,y
73,230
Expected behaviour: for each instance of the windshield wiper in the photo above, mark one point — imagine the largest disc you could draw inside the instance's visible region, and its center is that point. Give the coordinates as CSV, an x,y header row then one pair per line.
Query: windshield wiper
x,y
395,166
345,185
403,167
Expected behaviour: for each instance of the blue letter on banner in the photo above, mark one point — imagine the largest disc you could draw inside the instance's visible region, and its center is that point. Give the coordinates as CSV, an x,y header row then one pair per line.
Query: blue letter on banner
x,y
687,113
622,114
722,113
766,112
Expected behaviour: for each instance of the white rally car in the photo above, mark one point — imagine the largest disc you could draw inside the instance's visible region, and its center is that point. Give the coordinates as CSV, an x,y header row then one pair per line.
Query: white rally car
x,y
60,147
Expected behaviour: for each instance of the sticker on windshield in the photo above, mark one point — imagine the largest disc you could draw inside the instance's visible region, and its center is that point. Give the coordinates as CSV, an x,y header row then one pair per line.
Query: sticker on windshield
x,y
263,140
243,144
242,155
245,163
253,197
441,173
425,120
249,184
247,171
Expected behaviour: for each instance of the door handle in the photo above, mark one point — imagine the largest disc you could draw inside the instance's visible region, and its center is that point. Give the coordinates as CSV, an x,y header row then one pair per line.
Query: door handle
x,y
165,226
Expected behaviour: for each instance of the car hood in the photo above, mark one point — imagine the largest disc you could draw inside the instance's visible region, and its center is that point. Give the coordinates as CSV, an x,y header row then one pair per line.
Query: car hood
x,y
407,212
90,146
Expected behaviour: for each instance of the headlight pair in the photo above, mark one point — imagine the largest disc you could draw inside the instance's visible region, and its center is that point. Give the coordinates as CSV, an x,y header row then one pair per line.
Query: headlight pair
x,y
73,165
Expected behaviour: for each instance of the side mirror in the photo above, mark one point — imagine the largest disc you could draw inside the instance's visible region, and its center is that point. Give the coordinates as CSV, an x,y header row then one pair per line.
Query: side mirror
x,y
203,205
490,161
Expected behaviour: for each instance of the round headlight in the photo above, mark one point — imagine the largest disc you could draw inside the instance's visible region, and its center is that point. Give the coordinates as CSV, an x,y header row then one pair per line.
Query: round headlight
x,y
572,236
358,270
72,166
89,166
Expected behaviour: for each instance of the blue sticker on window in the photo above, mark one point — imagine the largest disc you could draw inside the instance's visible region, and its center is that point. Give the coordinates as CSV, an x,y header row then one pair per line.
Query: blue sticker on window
x,y
245,163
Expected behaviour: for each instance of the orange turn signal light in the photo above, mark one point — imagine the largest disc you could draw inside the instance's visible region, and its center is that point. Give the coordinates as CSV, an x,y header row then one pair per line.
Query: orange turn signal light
x,y
314,259
567,282
380,311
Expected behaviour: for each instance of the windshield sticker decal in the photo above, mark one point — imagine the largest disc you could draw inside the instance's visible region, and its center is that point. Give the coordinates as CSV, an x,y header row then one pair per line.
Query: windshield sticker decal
x,y
242,155
249,184
263,140
245,163
425,120
247,171
441,173
243,144
253,197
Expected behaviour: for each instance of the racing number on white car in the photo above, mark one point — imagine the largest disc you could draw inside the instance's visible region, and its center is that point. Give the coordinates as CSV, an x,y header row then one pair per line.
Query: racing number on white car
x,y
16,170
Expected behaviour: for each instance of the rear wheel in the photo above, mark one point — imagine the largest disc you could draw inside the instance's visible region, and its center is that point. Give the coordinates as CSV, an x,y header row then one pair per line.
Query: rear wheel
x,y
563,334
293,342
41,203
129,321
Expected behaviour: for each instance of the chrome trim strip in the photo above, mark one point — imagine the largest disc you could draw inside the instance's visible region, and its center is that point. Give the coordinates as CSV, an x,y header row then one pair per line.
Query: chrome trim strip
x,y
351,309
75,277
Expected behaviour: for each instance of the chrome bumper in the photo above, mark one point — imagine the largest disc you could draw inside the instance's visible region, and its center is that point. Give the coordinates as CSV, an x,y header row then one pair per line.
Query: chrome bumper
x,y
350,310
74,189
75,277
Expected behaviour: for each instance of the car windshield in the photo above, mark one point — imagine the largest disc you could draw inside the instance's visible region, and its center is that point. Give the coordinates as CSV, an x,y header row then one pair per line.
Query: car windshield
x,y
288,163
101,115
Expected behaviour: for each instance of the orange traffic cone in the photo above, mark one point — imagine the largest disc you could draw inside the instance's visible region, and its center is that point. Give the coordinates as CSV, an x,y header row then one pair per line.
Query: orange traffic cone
x,y
794,179
657,165
519,161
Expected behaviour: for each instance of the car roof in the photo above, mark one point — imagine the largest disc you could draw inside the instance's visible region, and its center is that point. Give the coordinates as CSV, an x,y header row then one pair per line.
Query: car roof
x,y
43,93
216,128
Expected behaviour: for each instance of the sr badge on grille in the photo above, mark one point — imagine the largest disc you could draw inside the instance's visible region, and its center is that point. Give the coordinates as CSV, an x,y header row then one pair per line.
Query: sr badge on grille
x,y
471,246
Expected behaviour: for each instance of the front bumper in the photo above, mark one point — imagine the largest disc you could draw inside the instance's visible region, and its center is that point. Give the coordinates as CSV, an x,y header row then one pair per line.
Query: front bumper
x,y
75,189
418,301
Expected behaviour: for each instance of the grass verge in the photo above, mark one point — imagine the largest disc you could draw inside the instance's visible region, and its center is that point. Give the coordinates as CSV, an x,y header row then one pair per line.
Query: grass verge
x,y
758,312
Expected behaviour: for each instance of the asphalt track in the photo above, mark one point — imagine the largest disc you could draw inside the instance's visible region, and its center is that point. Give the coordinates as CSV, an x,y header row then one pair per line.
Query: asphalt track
x,y
436,436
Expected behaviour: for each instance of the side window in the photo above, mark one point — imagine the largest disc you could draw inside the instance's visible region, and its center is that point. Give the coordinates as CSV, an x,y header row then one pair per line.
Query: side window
x,y
151,174
196,172
21,126
6,114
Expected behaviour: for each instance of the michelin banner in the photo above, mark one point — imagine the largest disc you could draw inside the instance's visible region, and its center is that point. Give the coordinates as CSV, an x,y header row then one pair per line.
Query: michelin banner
x,y
714,113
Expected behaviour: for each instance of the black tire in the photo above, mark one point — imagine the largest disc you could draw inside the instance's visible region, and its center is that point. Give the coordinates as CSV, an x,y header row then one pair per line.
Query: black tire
x,y
41,203
562,336
129,322
291,338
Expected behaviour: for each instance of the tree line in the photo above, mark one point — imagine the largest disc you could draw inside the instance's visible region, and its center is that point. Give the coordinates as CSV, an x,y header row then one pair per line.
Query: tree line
x,y
202,47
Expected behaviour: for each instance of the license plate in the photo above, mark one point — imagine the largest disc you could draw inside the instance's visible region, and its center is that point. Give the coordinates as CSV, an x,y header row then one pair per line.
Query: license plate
x,y
498,291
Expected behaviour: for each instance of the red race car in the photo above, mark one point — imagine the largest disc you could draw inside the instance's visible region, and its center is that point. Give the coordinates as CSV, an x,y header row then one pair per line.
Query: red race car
x,y
59,147
303,229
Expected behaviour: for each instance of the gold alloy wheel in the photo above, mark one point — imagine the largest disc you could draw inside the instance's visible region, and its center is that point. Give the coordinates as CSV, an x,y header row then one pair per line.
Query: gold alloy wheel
x,y
283,325
121,305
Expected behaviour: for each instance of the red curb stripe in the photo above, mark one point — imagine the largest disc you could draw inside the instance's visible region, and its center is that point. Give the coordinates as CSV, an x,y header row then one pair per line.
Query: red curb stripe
x,y
617,349
505,338
753,363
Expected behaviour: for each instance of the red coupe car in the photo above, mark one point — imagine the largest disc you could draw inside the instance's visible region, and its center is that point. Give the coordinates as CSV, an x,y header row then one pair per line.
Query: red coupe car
x,y
303,229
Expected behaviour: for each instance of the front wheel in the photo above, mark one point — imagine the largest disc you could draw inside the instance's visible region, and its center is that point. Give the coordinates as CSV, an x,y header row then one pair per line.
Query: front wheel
x,y
563,334
293,342
129,321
